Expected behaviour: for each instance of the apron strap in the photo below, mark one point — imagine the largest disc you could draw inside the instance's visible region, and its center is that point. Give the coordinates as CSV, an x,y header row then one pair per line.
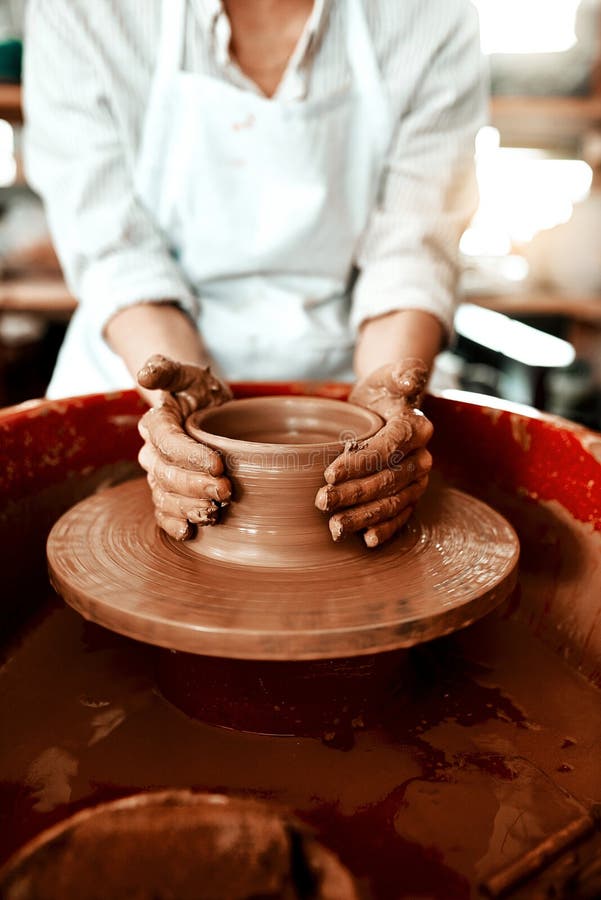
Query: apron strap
x,y
171,41
360,50
169,59
368,78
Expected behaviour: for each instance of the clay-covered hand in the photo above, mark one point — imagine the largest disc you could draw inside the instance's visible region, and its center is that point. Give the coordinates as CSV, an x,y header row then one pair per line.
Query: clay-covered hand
x,y
373,487
186,477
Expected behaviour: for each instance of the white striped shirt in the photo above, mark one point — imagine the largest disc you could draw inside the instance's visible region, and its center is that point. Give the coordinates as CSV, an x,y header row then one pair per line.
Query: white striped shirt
x,y
88,70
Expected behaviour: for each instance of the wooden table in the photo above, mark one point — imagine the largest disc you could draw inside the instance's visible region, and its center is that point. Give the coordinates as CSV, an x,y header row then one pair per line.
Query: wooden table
x,y
49,296
10,103
580,307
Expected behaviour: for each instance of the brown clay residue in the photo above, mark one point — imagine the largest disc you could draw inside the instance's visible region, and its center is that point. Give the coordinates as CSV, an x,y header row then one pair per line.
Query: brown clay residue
x,y
592,444
520,431
446,738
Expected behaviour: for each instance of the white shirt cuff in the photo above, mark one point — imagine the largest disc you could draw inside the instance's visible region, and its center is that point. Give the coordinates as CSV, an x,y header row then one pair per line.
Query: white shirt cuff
x,y
390,287
130,277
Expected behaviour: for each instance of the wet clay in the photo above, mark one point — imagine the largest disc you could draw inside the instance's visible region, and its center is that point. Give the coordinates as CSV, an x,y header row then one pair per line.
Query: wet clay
x,y
453,774
454,563
177,844
275,451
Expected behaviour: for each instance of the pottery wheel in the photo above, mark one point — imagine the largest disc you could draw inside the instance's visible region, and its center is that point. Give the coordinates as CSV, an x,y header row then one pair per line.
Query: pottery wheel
x,y
454,563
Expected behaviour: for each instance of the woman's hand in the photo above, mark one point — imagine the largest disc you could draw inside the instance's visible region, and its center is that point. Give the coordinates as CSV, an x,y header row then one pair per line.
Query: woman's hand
x,y
185,477
377,484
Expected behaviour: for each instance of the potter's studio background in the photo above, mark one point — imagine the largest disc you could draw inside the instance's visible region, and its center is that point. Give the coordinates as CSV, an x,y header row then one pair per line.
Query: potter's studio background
x,y
530,327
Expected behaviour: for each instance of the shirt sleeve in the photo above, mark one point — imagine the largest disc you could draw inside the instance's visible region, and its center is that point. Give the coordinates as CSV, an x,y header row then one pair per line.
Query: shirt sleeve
x,y
409,254
112,253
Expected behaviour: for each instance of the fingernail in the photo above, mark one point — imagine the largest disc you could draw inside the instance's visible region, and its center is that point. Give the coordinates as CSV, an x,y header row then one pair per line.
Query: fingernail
x,y
213,467
220,490
181,532
326,497
331,474
336,529
371,539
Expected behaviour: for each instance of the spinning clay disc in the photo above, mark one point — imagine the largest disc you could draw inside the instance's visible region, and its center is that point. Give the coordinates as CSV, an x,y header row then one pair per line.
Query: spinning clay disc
x,y
454,562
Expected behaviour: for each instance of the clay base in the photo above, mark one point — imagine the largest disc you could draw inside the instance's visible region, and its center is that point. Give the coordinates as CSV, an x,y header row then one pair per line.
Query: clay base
x,y
325,698
454,563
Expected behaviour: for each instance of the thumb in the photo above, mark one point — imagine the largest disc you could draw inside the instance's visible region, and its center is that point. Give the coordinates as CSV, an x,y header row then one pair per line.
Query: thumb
x,y
408,379
404,380
159,373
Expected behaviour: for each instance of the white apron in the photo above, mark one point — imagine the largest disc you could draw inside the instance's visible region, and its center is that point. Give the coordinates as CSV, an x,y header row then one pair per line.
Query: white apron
x,y
263,202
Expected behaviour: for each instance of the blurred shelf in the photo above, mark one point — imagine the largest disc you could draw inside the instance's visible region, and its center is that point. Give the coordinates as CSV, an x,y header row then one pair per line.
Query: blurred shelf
x,y
544,120
585,308
10,103
39,295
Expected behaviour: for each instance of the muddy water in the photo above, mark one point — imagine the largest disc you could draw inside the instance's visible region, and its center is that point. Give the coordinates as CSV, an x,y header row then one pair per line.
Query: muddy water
x,y
473,755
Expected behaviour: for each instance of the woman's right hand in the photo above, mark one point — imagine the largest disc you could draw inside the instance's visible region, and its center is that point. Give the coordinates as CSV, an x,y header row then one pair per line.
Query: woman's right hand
x,y
186,478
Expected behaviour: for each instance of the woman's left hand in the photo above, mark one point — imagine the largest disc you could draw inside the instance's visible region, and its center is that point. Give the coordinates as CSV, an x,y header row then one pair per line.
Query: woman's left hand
x,y
373,487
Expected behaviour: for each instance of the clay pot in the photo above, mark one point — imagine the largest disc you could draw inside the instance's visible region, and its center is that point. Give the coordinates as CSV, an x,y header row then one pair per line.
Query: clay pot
x,y
275,450
176,844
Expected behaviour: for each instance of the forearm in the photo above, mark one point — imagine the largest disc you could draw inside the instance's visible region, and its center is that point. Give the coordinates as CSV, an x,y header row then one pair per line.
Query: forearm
x,y
397,336
139,331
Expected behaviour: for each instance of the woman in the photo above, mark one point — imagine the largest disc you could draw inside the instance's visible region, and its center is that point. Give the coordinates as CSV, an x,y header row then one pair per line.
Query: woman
x,y
268,186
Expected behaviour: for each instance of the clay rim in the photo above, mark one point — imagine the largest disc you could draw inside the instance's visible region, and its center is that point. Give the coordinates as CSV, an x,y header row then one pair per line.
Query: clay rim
x,y
336,872
372,424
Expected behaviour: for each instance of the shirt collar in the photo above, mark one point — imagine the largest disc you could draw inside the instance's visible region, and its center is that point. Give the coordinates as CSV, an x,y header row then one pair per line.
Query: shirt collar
x,y
210,11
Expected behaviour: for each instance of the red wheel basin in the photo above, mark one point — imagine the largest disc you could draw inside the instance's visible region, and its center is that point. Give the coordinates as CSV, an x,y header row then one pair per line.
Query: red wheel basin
x,y
487,746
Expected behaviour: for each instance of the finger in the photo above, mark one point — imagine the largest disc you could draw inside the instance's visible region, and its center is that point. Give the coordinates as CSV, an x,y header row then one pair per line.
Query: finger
x,y
161,373
178,529
197,512
162,427
373,487
375,536
399,437
373,455
404,381
170,478
409,378
369,514
206,391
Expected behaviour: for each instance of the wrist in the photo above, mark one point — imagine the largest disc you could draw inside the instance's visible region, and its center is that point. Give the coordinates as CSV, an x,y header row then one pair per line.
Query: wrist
x,y
145,329
403,335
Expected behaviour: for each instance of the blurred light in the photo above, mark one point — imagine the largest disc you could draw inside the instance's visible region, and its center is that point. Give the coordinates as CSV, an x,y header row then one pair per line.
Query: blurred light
x,y
527,26
8,163
491,402
522,192
515,268
483,241
513,339
488,139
